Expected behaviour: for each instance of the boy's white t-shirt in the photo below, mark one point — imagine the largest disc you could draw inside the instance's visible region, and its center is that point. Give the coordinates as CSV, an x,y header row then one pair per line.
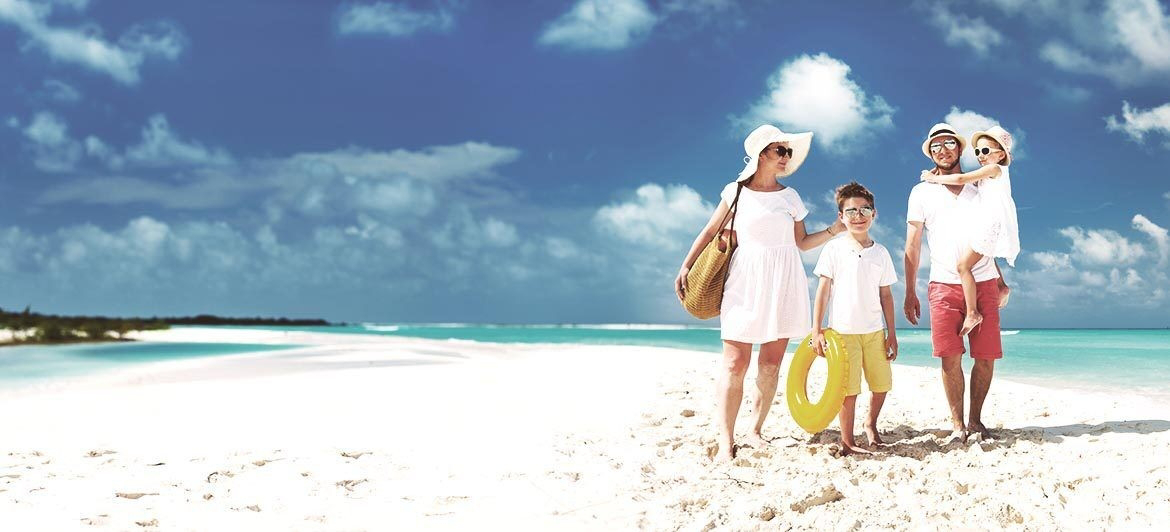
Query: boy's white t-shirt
x,y
857,272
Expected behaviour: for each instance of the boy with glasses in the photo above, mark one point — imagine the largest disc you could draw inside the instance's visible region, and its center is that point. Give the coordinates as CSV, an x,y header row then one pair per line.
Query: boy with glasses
x,y
855,278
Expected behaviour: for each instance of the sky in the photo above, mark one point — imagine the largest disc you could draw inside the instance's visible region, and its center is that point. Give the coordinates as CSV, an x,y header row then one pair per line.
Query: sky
x,y
548,162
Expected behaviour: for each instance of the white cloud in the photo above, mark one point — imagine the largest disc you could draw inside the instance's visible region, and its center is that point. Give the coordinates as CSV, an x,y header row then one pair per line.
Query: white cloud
x,y
85,47
699,7
60,91
1137,123
961,30
54,150
656,216
600,25
1156,233
1068,93
967,122
391,19
161,147
13,122
1144,30
1102,247
815,93
1127,41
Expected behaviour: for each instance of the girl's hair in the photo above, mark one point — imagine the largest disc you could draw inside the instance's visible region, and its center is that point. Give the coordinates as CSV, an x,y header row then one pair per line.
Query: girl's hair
x,y
853,190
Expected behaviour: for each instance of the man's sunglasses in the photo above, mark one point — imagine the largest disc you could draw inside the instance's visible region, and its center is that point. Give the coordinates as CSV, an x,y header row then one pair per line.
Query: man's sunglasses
x,y
949,144
854,212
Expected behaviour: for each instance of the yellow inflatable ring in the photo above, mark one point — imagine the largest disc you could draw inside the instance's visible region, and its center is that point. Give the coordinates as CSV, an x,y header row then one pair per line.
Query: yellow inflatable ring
x,y
815,417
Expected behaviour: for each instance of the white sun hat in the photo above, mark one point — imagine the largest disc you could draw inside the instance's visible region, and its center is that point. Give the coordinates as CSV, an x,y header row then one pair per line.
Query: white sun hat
x,y
766,134
999,135
942,129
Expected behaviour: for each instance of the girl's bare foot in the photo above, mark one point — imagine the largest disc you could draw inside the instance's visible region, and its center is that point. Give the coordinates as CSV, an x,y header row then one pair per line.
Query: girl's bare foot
x,y
875,439
970,323
848,448
1005,293
979,430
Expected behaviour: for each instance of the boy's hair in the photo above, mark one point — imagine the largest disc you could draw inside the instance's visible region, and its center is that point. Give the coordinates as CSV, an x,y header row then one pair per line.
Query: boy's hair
x,y
853,190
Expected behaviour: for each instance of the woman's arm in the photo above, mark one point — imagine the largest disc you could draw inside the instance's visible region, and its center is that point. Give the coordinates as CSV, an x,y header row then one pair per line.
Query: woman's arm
x,y
822,300
806,241
705,236
990,171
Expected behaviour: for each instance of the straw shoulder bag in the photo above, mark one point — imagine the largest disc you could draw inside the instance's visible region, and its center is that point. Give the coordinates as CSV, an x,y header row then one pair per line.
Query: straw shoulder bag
x,y
705,281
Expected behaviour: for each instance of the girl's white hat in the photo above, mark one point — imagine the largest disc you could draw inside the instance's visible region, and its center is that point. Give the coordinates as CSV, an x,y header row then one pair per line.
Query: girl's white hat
x,y
766,134
999,135
941,129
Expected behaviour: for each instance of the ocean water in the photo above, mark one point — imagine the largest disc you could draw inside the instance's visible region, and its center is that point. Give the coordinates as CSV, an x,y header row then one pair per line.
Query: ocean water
x,y
1135,359
1107,359
29,364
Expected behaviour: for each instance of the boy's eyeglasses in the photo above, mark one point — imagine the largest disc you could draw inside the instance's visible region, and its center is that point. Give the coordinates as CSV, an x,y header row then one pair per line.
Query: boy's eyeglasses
x,y
949,144
984,151
854,212
781,151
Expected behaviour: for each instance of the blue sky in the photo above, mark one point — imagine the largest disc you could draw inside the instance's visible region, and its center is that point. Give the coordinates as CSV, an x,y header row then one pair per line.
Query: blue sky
x,y
461,161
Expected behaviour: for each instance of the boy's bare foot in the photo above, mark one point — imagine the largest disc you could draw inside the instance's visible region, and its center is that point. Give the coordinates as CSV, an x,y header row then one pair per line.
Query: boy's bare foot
x,y
958,435
979,431
970,323
1005,293
875,439
848,448
755,441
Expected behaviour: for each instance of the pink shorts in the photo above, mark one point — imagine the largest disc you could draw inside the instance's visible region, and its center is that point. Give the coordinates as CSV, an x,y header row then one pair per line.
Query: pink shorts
x,y
947,311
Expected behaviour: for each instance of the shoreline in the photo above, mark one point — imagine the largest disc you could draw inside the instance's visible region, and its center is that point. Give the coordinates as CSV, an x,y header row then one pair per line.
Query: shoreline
x,y
356,432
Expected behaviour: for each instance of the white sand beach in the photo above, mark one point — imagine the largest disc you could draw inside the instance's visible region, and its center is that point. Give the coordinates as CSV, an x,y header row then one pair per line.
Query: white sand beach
x,y
373,433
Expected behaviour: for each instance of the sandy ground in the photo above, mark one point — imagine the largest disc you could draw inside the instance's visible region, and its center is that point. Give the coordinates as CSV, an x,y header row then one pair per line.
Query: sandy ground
x,y
376,433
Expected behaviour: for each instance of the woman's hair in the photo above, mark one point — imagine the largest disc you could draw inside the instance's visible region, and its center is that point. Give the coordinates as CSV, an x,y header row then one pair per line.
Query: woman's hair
x,y
853,190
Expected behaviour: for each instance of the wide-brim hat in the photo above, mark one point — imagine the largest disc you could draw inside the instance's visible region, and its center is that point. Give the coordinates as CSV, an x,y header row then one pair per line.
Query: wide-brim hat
x,y
766,134
1000,136
942,129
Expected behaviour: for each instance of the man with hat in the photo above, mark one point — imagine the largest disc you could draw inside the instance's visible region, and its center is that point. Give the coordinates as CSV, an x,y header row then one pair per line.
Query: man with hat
x,y
944,212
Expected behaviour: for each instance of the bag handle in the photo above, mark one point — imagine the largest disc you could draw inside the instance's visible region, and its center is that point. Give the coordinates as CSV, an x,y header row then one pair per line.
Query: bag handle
x,y
730,212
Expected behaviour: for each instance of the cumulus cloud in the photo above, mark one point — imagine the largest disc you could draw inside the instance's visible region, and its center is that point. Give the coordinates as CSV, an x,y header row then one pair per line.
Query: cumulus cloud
x,y
1129,45
656,216
60,91
84,47
967,122
54,150
1102,247
815,93
160,147
1137,123
600,25
392,19
963,31
1157,234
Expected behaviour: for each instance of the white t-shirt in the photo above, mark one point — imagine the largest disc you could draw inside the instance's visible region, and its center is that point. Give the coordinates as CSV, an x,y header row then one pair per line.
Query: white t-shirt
x,y
948,220
855,306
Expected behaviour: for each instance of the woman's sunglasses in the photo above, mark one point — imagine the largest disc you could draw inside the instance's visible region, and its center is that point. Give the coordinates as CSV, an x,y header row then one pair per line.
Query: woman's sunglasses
x,y
781,151
984,151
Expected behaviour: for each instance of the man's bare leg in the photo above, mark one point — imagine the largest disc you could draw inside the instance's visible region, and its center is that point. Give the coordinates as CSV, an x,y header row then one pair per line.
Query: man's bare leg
x,y
981,376
729,394
876,400
952,377
767,379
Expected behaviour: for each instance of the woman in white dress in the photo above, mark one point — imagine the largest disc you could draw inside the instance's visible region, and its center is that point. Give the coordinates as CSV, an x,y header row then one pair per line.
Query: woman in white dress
x,y
765,300
996,233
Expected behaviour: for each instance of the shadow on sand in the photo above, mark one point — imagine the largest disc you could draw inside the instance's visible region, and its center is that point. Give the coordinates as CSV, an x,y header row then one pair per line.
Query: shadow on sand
x,y
907,442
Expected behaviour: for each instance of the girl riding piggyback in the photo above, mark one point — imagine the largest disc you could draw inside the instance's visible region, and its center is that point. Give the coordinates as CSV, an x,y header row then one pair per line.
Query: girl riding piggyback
x,y
995,232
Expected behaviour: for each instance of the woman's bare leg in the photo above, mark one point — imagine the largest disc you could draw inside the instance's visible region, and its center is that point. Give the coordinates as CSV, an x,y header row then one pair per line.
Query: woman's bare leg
x,y
729,394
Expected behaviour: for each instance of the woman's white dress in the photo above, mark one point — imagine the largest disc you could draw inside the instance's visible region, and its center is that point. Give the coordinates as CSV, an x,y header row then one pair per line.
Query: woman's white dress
x,y
766,296
997,233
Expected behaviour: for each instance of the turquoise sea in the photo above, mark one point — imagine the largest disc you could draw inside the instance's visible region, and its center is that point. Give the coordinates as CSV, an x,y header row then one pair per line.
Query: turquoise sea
x,y
1138,360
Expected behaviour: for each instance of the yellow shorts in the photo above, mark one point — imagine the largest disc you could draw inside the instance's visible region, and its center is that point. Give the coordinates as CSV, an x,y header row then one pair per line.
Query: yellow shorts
x,y
867,351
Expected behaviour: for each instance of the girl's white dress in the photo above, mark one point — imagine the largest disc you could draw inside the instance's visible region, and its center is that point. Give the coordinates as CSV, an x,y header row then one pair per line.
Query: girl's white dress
x,y
997,232
766,297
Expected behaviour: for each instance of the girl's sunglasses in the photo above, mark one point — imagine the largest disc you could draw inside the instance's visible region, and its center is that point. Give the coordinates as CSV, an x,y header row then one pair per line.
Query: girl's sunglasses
x,y
984,151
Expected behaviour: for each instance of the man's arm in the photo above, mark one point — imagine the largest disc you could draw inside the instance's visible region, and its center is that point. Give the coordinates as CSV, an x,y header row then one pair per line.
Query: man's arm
x,y
912,307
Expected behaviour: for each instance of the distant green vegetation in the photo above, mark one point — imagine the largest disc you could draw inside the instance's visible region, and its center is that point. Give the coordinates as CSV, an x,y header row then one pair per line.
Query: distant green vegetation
x,y
31,327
